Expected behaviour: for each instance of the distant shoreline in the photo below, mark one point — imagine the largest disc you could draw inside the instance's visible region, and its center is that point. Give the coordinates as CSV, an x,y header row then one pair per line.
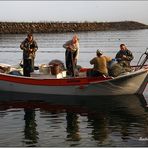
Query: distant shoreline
x,y
61,27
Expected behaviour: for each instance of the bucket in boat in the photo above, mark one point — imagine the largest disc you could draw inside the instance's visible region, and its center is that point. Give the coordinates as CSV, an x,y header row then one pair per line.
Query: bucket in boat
x,y
55,69
44,68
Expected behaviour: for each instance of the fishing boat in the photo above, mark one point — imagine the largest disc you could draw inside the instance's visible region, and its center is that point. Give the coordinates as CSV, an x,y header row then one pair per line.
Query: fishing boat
x,y
60,85
129,83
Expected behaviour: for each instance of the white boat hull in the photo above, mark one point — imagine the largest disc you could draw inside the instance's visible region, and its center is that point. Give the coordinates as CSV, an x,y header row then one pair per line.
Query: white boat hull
x,y
133,83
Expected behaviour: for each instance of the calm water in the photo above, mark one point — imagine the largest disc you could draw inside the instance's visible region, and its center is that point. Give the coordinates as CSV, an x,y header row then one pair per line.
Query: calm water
x,y
102,121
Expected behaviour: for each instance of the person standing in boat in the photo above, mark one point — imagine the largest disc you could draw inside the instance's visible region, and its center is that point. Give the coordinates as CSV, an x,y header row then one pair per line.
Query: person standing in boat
x,y
100,63
124,55
29,47
71,55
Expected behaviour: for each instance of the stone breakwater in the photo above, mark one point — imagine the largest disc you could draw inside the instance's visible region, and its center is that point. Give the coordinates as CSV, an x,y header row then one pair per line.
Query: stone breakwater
x,y
56,27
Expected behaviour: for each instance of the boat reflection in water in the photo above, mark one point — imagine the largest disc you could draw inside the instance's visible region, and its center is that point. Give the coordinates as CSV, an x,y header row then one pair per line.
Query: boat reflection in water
x,y
30,132
101,121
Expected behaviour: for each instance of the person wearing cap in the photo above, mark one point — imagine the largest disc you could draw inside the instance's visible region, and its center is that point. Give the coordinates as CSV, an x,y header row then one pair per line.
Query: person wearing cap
x,y
29,47
71,55
100,63
124,55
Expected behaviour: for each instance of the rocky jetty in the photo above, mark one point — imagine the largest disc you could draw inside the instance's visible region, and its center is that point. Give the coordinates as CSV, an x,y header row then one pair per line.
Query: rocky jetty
x,y
56,27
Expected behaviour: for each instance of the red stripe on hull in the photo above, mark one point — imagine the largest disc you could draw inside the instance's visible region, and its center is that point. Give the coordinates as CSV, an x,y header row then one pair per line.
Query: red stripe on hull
x,y
51,82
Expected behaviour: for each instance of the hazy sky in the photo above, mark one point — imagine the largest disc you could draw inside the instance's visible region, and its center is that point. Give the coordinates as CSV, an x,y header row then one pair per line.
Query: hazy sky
x,y
101,11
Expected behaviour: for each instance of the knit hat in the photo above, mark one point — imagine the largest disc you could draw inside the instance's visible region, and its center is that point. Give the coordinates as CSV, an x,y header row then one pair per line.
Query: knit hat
x,y
99,52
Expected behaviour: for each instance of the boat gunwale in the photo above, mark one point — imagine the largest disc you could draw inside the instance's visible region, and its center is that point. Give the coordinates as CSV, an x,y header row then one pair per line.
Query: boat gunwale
x,y
71,81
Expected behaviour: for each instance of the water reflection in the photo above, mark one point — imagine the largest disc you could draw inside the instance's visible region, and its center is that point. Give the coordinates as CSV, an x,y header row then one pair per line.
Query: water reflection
x,y
110,121
72,126
30,132
99,127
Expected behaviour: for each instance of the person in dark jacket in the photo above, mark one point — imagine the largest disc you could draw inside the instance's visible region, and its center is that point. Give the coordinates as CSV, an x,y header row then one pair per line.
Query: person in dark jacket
x,y
124,55
29,47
